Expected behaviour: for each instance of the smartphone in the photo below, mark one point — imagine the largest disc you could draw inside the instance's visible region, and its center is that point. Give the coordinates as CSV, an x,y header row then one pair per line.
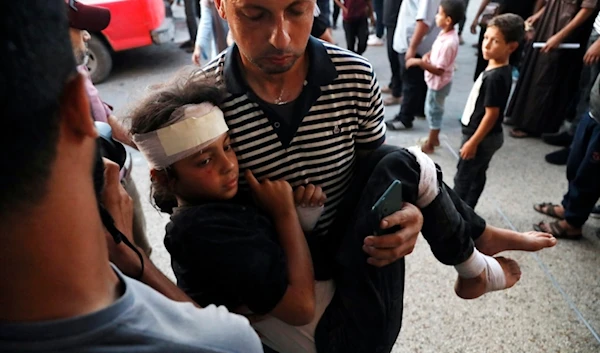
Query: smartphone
x,y
388,203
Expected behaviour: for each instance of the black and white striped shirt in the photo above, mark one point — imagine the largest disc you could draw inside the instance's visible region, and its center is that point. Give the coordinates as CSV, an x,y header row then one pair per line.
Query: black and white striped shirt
x,y
339,112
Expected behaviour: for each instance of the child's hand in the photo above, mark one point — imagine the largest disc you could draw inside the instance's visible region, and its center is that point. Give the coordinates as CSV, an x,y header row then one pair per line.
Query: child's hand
x,y
468,150
413,62
309,196
274,196
426,56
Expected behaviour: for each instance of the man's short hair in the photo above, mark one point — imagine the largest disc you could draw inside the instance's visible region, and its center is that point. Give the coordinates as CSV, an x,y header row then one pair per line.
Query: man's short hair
x,y
510,25
455,9
36,60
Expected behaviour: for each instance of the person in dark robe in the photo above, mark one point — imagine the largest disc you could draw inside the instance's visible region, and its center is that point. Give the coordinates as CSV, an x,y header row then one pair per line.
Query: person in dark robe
x,y
550,76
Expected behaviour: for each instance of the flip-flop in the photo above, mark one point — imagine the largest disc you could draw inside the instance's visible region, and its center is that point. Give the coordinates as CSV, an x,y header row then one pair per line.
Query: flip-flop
x,y
549,209
518,134
556,230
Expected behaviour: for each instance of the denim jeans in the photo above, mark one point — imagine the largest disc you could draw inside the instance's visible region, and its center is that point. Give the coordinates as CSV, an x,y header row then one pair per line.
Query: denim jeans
x,y
434,106
470,177
365,314
583,172
414,90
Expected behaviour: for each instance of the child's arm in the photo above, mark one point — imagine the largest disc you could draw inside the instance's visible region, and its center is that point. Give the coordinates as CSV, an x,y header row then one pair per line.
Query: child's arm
x,y
438,71
469,149
297,306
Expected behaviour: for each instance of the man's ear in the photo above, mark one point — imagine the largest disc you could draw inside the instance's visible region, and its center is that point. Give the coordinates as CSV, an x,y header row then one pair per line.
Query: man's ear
x,y
220,5
75,108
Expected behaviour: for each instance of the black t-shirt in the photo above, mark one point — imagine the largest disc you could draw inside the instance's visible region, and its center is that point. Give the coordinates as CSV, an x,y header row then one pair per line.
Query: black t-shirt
x,y
227,253
491,90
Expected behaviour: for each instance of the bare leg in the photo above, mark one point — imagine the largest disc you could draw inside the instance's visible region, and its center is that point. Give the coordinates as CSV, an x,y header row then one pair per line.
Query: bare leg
x,y
495,240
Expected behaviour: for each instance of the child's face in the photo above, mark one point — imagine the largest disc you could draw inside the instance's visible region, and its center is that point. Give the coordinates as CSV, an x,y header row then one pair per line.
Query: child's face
x,y
494,46
211,174
441,19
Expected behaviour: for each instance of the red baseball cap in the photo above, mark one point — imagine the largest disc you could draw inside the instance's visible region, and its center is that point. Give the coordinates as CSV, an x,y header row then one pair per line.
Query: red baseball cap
x,y
86,17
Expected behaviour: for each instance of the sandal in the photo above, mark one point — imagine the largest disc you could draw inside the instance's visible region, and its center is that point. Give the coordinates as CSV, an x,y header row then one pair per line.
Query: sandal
x,y
548,209
556,230
518,134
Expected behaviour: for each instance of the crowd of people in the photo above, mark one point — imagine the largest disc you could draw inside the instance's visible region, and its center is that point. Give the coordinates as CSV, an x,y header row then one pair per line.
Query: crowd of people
x,y
269,158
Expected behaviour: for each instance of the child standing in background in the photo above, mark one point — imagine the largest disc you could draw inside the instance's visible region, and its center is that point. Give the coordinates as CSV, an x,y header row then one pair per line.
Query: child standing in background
x,y
484,111
438,65
355,15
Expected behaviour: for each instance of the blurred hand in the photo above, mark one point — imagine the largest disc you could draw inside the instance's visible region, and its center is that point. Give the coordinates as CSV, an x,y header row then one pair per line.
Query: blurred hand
x,y
413,62
592,55
309,196
474,27
468,150
196,55
427,56
386,249
120,206
275,197
551,44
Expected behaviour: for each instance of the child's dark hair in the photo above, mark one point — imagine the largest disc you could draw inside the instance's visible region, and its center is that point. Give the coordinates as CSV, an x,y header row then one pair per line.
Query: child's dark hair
x,y
510,25
455,9
156,111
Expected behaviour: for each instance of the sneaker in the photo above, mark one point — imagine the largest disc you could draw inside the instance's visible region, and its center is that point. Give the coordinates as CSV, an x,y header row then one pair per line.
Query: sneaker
x,y
595,212
559,157
392,100
374,41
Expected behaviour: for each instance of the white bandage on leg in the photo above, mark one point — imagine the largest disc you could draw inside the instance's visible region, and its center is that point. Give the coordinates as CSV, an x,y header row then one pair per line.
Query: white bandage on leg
x,y
428,183
476,263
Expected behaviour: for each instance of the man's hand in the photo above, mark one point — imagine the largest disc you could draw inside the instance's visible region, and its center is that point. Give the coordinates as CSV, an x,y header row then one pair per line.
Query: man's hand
x,y
196,55
309,196
413,62
120,206
592,55
552,43
474,26
386,249
468,150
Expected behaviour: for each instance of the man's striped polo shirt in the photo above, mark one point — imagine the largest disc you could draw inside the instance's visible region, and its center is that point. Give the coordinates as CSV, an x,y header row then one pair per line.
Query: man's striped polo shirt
x,y
339,112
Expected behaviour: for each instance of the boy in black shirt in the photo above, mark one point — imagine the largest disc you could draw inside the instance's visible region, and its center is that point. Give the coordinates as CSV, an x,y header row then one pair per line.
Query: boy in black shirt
x,y
484,111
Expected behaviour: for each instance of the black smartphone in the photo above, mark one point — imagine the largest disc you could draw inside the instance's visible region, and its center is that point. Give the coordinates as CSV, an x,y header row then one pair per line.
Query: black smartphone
x,y
388,203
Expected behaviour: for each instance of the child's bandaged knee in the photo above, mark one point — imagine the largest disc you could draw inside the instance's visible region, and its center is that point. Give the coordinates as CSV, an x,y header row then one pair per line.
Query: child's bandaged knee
x,y
478,262
428,183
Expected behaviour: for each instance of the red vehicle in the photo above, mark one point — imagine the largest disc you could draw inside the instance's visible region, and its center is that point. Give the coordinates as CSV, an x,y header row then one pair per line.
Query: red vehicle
x,y
133,24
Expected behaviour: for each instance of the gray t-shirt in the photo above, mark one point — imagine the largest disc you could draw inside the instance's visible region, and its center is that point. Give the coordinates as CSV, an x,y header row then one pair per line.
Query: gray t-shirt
x,y
142,320
412,11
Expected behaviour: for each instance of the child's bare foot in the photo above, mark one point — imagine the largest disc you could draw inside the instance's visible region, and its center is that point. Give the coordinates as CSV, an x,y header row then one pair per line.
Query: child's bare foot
x,y
495,240
471,288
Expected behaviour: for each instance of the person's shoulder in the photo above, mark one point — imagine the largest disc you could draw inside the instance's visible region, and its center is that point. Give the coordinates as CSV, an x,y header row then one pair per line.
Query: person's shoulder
x,y
182,326
343,58
498,74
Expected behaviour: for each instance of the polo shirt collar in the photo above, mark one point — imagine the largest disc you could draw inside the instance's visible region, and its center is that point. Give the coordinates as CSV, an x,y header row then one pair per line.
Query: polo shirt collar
x,y
321,69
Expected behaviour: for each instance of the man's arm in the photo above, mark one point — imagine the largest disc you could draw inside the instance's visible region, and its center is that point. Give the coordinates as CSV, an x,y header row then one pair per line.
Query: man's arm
x,y
421,31
581,16
475,22
118,203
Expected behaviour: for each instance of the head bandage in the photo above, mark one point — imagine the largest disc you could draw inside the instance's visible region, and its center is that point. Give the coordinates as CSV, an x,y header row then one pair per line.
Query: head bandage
x,y
196,127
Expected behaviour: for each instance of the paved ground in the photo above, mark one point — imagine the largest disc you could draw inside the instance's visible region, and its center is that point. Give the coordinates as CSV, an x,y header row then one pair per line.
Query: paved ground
x,y
556,305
